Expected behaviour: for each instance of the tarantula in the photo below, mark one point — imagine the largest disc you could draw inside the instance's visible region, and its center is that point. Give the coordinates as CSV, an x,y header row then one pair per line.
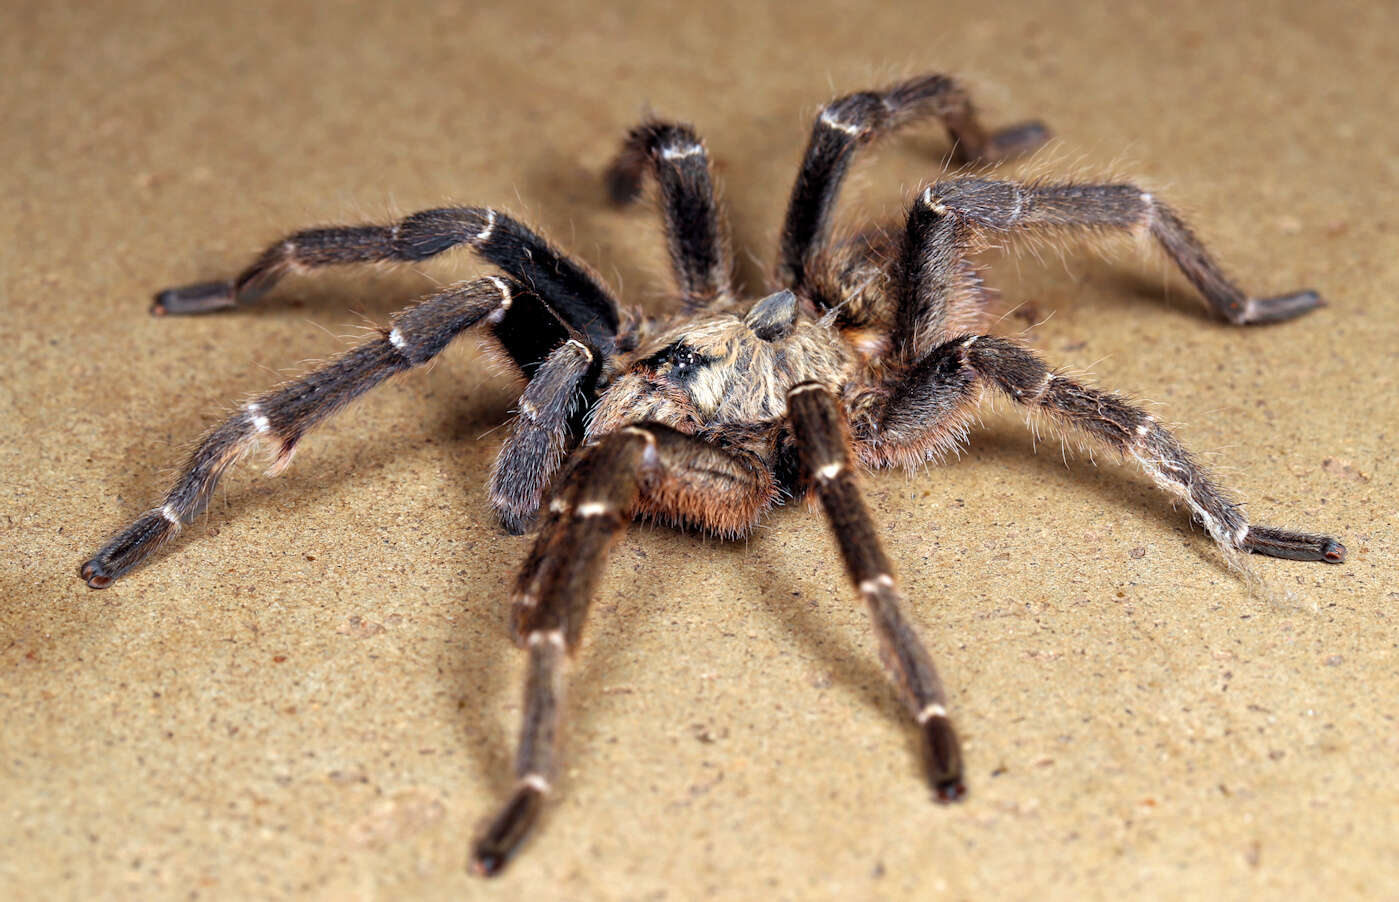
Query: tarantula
x,y
869,354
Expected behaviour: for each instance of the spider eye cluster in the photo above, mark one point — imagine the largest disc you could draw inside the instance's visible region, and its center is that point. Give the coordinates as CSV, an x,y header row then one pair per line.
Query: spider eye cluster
x,y
680,362
684,360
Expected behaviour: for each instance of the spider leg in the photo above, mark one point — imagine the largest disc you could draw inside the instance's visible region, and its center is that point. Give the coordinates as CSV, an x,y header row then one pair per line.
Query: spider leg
x,y
858,119
283,415
819,428
531,455
646,468
695,230
955,217
565,287
944,388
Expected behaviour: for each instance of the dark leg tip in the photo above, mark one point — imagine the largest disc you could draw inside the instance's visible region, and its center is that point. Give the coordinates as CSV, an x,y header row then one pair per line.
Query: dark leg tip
x,y
127,549
1294,546
96,575
201,297
950,791
1016,140
942,759
486,863
506,832
1281,307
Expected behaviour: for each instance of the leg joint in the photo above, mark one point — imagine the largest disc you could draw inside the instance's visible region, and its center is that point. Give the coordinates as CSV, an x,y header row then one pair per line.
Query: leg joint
x,y
981,202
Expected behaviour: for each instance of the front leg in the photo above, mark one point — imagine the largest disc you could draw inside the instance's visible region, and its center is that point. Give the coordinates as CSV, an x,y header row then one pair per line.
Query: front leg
x,y
531,455
646,469
819,428
551,599
282,416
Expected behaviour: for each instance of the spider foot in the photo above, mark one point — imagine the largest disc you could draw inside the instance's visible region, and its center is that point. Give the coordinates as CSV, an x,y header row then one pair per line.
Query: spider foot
x,y
1280,308
1016,140
96,575
201,297
507,830
1296,546
942,759
127,549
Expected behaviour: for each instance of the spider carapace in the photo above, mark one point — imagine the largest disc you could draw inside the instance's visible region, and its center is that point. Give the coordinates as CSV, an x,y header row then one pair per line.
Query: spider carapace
x,y
869,352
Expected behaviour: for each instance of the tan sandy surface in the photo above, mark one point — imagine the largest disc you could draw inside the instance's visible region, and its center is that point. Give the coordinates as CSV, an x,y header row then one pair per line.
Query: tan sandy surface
x,y
311,693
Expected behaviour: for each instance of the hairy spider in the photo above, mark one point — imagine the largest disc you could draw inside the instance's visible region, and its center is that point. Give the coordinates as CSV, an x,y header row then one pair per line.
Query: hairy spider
x,y
869,354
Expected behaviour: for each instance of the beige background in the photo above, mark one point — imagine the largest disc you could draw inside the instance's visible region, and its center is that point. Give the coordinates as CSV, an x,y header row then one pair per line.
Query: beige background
x,y
311,693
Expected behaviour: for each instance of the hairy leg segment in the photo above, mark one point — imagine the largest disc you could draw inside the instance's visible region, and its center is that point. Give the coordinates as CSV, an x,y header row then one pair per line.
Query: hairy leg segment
x,y
645,468
695,229
565,287
819,428
855,120
955,217
948,384
282,416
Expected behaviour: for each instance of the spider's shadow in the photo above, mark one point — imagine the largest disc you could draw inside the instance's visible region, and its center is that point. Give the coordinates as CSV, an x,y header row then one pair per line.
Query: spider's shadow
x,y
479,680
1002,447
1092,278
317,472
1008,446
337,300
796,601
358,455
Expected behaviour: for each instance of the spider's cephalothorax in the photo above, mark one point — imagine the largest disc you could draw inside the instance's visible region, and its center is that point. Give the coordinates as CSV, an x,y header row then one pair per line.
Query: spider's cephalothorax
x,y
719,372
869,354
